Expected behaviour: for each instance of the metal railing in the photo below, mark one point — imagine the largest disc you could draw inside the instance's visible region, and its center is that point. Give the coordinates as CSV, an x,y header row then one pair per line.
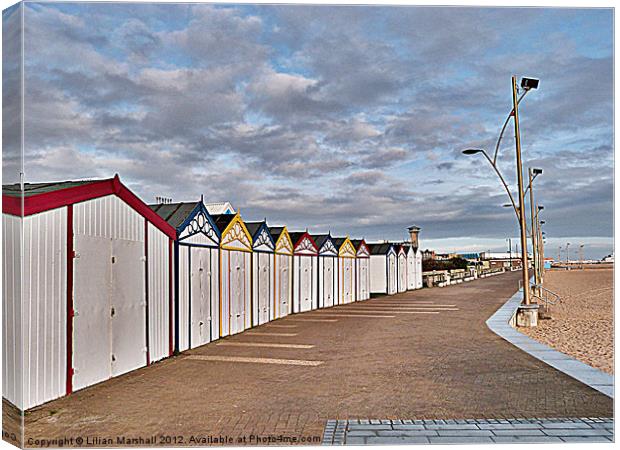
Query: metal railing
x,y
546,296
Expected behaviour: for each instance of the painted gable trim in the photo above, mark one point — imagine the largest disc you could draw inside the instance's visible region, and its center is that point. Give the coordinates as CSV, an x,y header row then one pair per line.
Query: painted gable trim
x,y
363,251
328,249
261,245
347,249
247,242
284,245
213,234
298,250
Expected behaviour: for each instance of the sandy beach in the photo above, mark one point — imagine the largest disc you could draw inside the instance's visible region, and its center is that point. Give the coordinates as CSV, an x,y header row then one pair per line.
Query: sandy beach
x,y
582,324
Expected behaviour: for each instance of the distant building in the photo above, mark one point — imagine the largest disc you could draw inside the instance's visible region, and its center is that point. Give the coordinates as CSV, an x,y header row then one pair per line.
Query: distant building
x,y
218,208
498,260
428,254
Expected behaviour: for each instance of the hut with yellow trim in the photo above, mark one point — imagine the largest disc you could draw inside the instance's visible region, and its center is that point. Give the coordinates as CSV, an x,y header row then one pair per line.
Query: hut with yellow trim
x,y
282,272
235,274
346,270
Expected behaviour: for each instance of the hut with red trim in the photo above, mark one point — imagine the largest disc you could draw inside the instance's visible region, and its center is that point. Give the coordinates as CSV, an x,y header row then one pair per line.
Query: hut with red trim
x,y
305,272
88,291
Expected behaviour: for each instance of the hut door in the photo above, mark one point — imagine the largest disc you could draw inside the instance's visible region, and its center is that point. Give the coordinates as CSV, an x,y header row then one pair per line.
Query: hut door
x,y
128,307
201,304
410,271
91,302
391,274
347,278
402,274
305,268
264,282
328,281
363,280
237,292
418,261
284,289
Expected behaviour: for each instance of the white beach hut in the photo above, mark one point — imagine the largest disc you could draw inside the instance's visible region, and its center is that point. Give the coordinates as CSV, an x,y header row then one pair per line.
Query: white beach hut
x,y
362,270
235,274
196,273
411,268
283,272
263,282
97,298
383,269
328,270
414,232
305,272
346,270
401,252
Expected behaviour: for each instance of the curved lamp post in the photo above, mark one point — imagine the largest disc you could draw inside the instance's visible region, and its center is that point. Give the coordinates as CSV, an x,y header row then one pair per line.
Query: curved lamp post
x,y
527,84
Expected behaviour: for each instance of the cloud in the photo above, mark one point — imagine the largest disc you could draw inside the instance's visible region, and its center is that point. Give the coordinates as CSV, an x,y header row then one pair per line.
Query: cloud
x,y
344,118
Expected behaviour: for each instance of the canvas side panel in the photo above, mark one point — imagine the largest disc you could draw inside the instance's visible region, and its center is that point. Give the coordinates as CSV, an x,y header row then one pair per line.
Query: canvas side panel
x,y
12,362
44,313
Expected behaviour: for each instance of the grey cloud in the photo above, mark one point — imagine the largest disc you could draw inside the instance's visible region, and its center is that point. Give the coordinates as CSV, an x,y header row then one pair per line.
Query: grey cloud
x,y
343,118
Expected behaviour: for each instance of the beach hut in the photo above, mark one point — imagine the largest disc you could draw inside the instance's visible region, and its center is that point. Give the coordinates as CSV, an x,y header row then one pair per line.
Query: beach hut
x,y
418,269
196,273
90,296
220,208
305,272
282,272
327,270
362,270
383,268
346,270
412,264
401,252
414,232
235,274
263,286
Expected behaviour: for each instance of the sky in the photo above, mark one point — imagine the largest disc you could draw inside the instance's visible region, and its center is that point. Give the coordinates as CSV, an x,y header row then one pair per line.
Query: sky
x,y
344,119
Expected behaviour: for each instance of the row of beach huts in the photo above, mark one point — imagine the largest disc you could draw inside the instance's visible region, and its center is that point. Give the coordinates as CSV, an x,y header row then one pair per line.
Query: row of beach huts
x,y
97,283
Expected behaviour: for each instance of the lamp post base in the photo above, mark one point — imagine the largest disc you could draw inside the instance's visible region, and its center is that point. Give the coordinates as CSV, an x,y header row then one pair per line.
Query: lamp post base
x,y
527,316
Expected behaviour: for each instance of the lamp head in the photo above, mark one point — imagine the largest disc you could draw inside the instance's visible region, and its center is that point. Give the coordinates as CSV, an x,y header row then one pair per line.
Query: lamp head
x,y
472,151
540,207
529,83
537,171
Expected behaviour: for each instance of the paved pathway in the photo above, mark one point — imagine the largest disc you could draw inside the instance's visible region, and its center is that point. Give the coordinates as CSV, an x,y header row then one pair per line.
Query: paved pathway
x,y
472,431
443,365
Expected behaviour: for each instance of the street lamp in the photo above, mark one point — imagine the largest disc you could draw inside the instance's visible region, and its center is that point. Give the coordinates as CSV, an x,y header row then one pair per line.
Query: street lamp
x,y
473,151
533,173
527,84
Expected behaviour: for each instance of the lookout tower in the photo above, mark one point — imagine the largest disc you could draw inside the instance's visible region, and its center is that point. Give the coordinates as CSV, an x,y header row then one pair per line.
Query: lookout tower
x,y
413,234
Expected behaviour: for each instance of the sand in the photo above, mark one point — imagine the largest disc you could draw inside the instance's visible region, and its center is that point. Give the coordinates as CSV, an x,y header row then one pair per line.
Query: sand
x,y
582,324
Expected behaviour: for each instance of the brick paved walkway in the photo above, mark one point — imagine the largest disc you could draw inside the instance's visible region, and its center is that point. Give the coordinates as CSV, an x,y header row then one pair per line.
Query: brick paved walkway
x,y
418,366
470,431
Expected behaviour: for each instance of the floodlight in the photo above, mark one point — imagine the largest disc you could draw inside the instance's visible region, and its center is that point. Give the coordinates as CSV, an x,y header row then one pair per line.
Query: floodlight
x,y
529,83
